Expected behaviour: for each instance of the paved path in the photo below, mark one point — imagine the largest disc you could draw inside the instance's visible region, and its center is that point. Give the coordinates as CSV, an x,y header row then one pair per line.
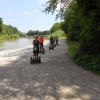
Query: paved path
x,y
56,78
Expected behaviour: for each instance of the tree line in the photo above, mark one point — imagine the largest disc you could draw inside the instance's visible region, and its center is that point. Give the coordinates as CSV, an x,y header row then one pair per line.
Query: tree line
x,y
82,27
37,32
54,31
8,31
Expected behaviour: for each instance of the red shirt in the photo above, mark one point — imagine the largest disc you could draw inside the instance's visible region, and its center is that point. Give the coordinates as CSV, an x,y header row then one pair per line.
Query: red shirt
x,y
41,39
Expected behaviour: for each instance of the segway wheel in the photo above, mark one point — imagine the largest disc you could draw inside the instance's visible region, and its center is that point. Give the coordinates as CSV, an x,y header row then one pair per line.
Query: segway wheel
x,y
31,59
49,48
39,59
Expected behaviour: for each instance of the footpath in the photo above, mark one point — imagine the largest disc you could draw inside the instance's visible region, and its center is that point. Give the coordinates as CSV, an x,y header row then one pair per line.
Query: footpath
x,y
57,77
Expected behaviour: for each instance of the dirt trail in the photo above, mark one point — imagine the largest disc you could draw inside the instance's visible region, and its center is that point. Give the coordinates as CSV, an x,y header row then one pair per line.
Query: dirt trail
x,y
56,78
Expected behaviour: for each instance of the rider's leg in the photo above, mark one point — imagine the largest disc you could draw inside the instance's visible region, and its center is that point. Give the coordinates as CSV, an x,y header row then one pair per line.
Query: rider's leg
x,y
57,41
37,55
33,53
42,45
37,52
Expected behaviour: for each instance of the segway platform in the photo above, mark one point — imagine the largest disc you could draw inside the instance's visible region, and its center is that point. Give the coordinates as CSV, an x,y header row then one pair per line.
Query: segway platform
x,y
33,59
57,43
54,45
51,47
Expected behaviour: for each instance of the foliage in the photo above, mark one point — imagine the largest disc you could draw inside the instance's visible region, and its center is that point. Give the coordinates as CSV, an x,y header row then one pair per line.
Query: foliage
x,y
0,24
6,36
55,27
31,32
73,47
71,25
52,5
9,31
89,62
82,26
59,34
90,24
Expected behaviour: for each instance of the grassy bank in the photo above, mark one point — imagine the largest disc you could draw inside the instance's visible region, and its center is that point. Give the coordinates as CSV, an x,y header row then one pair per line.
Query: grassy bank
x,y
7,37
88,62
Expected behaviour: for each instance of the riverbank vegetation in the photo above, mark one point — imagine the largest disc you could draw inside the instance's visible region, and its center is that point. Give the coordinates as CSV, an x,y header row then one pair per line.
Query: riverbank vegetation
x,y
37,32
82,26
54,31
9,32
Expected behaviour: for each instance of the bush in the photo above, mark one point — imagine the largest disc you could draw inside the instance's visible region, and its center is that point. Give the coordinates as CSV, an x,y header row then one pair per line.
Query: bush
x,y
59,34
89,62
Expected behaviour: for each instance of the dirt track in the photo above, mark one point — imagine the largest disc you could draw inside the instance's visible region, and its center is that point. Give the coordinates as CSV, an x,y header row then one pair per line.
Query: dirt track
x,y
56,78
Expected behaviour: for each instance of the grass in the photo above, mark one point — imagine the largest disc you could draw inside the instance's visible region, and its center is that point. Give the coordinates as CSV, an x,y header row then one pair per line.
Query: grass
x,y
88,62
73,47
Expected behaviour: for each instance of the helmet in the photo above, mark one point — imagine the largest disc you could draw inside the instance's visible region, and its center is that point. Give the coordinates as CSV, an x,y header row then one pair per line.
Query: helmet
x,y
36,36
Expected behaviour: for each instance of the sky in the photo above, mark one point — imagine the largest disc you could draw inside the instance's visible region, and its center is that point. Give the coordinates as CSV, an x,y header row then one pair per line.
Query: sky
x,y
26,15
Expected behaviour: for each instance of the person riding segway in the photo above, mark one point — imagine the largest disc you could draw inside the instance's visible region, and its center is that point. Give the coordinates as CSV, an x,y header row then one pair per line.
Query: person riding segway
x,y
35,57
51,43
41,49
54,40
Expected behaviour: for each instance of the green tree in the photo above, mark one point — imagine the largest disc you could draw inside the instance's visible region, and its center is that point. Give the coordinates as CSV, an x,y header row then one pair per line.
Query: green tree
x,y
71,25
0,24
9,31
55,27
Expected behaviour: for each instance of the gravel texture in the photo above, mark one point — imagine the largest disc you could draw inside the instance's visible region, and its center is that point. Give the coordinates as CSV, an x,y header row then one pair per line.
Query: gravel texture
x,y
56,78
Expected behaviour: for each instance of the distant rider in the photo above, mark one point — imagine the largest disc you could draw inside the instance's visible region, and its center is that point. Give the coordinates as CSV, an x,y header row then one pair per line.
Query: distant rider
x,y
41,39
56,40
51,40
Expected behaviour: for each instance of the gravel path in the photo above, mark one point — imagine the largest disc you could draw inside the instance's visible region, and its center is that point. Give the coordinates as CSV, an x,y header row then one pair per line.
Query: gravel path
x,y
56,78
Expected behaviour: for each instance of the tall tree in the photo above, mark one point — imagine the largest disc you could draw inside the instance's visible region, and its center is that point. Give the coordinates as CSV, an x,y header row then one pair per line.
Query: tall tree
x,y
89,17
55,27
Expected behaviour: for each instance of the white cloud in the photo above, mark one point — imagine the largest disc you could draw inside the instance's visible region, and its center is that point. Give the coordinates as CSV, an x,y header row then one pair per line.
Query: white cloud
x,y
35,11
26,13
20,21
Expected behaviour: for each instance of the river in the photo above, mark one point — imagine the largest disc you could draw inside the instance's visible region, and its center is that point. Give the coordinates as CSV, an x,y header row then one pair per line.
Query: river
x,y
16,47
15,44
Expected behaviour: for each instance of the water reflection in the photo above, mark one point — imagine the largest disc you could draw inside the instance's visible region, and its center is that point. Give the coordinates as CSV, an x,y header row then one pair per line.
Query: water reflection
x,y
15,44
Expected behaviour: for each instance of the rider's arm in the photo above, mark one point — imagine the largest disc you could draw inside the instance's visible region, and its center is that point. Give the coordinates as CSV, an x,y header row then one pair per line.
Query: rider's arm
x,y
33,42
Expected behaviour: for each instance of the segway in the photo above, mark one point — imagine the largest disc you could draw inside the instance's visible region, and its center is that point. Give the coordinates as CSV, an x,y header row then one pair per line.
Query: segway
x,y
57,43
42,51
54,45
51,47
34,58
